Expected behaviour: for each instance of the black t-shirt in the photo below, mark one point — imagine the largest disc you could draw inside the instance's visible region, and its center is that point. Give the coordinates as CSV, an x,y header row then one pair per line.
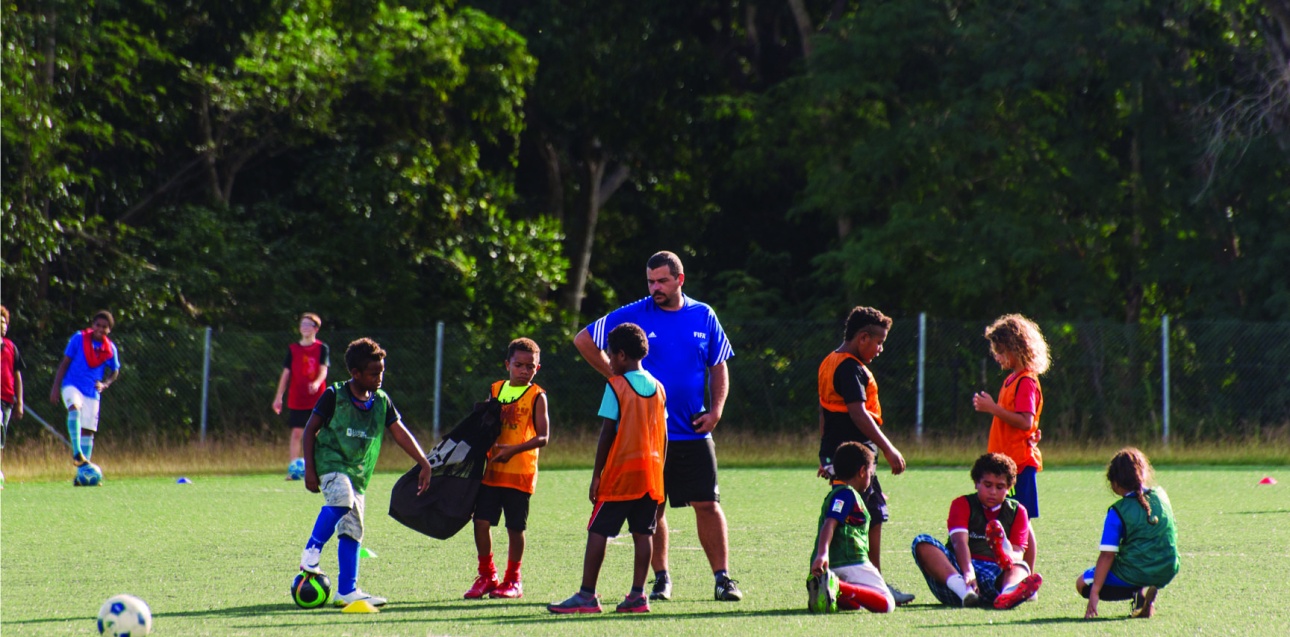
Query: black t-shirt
x,y
850,381
326,406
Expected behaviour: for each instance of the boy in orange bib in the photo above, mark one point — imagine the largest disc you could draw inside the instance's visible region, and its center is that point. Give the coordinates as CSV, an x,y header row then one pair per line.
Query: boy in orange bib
x,y
627,482
512,468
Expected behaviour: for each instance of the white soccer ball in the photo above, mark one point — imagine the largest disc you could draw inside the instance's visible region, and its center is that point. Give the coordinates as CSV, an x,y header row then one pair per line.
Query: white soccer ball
x,y
125,616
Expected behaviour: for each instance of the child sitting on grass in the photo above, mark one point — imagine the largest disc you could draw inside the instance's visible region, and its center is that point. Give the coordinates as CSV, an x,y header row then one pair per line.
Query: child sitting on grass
x,y
988,534
341,444
842,578
627,481
1139,540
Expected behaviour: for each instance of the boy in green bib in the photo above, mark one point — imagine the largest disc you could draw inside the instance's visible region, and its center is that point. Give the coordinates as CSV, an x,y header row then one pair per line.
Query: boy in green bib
x,y
342,442
842,577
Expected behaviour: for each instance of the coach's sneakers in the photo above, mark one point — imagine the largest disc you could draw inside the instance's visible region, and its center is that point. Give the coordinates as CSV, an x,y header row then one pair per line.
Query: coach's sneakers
x,y
309,560
727,590
578,603
357,595
1020,593
997,539
662,589
484,584
902,598
822,593
633,604
508,589
1144,603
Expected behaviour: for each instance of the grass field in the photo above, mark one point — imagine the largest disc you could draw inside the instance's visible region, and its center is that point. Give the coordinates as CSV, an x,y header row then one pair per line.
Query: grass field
x,y
216,558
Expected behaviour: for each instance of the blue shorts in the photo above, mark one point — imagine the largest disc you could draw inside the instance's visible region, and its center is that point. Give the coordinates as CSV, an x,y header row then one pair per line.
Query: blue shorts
x,y
1114,589
1026,491
986,574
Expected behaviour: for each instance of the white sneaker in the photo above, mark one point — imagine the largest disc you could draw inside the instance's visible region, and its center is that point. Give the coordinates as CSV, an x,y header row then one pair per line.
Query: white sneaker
x,y
358,594
309,561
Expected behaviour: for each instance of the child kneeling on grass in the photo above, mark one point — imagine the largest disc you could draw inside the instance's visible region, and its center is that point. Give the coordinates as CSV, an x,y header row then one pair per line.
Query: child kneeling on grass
x,y
842,578
1139,540
341,444
988,534
627,481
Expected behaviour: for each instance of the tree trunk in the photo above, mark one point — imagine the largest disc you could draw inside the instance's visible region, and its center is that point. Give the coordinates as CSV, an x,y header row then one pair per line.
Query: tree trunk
x,y
597,188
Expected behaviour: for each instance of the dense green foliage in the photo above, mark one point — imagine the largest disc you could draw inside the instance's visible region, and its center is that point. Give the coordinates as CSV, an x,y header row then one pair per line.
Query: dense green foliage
x,y
506,164
216,558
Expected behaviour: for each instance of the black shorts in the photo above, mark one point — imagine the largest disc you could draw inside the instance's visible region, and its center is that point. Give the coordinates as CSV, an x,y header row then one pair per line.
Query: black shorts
x,y
690,473
298,418
493,501
875,501
608,517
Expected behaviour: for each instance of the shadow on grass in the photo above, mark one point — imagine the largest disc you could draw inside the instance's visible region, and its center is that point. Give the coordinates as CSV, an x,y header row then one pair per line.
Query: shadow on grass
x,y
1268,512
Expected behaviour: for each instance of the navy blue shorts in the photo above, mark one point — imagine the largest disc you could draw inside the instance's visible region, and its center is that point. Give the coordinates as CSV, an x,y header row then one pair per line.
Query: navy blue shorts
x,y
986,574
1026,491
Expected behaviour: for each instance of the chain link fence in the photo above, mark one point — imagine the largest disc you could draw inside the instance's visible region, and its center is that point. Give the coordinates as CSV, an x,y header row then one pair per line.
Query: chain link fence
x,y
1226,379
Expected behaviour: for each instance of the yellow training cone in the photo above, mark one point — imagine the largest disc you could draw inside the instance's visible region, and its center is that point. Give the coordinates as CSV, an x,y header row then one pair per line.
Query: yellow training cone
x,y
360,606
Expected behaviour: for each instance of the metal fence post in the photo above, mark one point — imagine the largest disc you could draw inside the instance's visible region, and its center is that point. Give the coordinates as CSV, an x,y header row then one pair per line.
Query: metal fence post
x,y
438,374
206,381
922,378
1164,367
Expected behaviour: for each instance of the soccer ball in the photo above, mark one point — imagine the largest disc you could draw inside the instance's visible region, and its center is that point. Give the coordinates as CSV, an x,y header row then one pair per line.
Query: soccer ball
x,y
125,616
296,470
310,591
88,475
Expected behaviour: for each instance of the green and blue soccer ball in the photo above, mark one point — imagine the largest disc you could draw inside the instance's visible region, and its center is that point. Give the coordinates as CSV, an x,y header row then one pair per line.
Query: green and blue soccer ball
x,y
296,470
88,475
310,590
125,616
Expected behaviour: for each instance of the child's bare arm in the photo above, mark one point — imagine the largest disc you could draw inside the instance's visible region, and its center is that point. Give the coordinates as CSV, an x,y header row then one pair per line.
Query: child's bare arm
x,y
311,434
867,426
982,401
964,556
408,443
821,561
283,379
541,433
17,395
1100,571
608,432
57,387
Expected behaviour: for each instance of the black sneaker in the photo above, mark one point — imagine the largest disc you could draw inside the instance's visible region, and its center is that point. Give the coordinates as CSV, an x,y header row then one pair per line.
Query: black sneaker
x,y
902,598
727,590
662,589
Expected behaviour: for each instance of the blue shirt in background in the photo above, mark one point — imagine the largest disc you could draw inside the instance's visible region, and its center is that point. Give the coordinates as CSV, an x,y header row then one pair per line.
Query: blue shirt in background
x,y
682,346
79,374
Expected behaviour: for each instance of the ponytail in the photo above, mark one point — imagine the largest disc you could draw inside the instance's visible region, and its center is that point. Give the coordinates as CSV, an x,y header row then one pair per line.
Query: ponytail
x,y
1130,470
1146,504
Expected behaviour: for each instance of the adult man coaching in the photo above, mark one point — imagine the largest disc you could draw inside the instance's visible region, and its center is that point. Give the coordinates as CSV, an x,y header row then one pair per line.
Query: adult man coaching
x,y
687,354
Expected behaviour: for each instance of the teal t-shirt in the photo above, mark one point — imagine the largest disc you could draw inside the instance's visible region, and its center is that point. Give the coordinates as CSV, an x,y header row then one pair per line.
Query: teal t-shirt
x,y
640,380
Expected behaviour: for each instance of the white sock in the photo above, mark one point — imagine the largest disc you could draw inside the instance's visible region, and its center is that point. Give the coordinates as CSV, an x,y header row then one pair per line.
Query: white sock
x,y
1008,589
957,584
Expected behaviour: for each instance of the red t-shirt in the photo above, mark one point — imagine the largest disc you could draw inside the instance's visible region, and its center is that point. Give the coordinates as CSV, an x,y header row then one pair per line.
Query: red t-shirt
x,y
304,361
960,513
10,364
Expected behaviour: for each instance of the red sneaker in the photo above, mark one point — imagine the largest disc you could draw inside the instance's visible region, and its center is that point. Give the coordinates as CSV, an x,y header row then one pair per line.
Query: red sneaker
x,y
995,537
483,585
508,589
1024,590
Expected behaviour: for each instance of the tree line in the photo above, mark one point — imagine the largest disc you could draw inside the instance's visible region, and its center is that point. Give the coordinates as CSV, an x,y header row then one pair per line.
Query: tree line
x,y
512,164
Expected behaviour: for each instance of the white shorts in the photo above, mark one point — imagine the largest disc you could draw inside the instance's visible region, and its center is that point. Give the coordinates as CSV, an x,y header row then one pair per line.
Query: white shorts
x,y
338,491
89,407
865,575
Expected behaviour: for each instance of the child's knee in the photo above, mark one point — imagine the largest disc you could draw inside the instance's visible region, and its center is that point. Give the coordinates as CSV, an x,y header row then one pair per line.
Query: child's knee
x,y
1081,586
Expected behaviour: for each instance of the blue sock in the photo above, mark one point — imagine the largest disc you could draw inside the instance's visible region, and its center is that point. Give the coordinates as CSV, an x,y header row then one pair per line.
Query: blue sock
x,y
325,526
347,555
87,446
74,431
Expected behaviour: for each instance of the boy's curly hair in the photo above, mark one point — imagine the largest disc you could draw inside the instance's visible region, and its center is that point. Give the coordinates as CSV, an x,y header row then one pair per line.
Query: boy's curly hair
x,y
106,315
363,352
523,345
851,458
864,318
996,463
1018,336
629,339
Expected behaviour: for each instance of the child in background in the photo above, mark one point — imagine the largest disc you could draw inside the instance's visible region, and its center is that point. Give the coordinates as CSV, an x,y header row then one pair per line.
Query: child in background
x,y
981,564
849,411
342,443
627,481
1017,344
511,474
304,370
91,363
11,367
1139,540
841,576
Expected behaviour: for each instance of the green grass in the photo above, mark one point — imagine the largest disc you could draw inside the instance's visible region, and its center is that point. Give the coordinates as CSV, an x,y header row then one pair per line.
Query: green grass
x,y
216,558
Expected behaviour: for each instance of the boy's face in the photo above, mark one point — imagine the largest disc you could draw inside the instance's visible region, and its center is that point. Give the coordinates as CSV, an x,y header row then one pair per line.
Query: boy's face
x,y
664,288
992,488
869,342
4,326
862,479
1002,358
523,366
369,378
99,329
308,328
